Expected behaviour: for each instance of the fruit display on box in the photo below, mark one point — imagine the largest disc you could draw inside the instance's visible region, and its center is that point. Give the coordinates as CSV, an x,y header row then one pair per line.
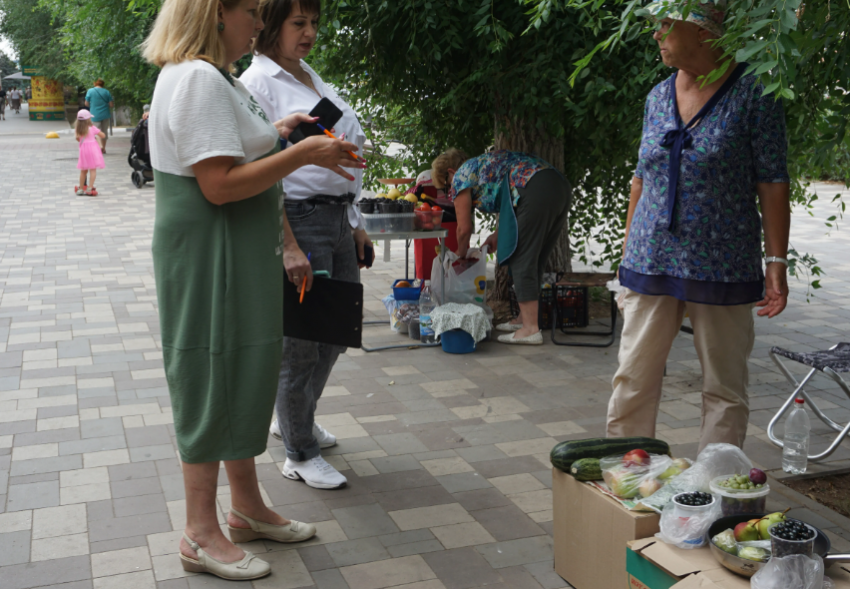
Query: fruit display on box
x,y
564,454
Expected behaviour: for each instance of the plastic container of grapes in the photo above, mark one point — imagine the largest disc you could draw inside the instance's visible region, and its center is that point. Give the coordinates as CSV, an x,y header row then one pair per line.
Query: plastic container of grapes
x,y
739,501
687,511
781,547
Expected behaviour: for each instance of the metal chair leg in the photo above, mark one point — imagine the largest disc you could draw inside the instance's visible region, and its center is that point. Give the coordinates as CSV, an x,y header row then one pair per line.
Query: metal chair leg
x,y
843,430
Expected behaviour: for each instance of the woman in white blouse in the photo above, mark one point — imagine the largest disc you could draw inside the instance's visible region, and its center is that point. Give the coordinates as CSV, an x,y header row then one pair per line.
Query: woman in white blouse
x,y
325,225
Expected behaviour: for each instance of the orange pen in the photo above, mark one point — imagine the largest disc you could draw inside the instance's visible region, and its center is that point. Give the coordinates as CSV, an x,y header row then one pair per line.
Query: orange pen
x,y
304,282
332,136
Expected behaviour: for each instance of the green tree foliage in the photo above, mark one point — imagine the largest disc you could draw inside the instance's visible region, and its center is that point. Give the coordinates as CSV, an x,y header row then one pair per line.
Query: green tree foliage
x,y
439,73
801,52
35,35
7,66
101,39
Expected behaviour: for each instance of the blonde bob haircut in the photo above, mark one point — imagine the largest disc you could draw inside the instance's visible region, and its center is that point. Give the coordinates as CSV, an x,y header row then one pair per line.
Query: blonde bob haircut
x,y
186,30
451,158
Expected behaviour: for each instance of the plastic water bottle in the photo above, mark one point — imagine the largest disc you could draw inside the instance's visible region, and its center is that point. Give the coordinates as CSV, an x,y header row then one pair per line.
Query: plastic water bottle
x,y
426,305
795,452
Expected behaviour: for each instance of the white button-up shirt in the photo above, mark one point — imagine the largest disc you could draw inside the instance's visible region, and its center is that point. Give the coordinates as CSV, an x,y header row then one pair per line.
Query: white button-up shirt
x,y
280,94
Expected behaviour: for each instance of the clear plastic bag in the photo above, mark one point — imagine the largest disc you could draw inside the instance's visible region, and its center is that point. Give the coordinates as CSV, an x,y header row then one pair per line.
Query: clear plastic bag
x,y
792,572
687,532
629,480
715,460
401,312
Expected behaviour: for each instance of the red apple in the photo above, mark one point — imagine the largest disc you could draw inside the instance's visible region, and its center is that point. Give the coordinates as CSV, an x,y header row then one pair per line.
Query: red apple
x,y
636,457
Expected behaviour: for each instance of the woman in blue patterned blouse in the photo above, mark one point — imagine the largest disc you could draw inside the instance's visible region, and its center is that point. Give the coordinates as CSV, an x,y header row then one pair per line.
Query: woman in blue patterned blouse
x,y
712,157
532,199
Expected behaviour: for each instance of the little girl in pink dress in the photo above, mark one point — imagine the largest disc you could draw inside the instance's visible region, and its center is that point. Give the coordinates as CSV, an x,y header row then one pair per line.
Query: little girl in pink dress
x,y
91,158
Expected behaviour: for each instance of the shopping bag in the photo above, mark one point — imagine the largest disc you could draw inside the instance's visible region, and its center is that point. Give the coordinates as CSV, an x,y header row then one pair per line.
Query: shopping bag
x,y
465,279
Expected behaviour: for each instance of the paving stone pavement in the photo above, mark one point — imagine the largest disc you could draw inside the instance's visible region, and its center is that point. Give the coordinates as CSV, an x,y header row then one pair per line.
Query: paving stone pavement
x,y
446,456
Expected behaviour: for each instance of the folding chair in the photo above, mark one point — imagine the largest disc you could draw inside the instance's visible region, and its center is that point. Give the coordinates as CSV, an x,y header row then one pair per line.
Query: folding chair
x,y
830,362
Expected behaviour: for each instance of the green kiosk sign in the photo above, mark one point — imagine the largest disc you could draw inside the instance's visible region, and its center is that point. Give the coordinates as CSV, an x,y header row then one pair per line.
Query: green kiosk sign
x,y
30,70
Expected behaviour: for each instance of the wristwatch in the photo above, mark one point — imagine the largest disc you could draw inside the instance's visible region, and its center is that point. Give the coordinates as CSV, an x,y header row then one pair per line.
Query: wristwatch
x,y
770,259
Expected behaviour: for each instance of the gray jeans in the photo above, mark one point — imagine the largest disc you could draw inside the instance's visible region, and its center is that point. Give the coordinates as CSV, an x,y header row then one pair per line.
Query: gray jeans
x,y
322,230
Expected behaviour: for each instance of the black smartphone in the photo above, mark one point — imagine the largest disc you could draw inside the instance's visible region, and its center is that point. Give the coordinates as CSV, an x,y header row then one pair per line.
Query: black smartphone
x,y
367,254
329,115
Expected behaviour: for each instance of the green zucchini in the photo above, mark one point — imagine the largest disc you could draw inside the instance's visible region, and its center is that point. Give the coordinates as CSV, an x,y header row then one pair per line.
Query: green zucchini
x,y
565,453
586,469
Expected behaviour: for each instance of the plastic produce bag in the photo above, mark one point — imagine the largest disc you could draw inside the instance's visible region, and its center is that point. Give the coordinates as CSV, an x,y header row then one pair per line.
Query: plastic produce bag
x,y
687,532
629,480
792,572
715,460
465,279
401,312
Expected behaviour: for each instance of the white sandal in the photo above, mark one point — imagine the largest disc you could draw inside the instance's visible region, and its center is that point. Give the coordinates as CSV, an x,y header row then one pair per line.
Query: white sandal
x,y
535,339
292,532
509,327
250,567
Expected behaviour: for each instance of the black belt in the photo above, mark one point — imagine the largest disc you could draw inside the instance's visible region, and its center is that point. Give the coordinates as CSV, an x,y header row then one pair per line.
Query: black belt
x,y
329,199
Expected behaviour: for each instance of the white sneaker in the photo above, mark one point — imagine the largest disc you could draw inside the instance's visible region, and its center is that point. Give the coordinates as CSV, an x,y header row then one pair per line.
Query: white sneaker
x,y
323,436
316,472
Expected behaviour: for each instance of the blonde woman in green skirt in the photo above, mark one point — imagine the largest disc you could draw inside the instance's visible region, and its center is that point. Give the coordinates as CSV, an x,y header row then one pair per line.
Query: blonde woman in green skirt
x,y
219,272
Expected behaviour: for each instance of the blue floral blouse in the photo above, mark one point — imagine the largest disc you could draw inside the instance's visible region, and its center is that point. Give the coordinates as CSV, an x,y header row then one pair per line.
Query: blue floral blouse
x,y
485,173
710,250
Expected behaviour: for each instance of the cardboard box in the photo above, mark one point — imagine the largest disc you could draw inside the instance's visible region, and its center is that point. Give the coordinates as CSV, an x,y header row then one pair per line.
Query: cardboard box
x,y
591,532
652,564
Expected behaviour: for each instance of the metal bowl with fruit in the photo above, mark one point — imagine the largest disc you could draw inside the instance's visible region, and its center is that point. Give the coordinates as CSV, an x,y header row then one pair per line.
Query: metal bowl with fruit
x,y
727,533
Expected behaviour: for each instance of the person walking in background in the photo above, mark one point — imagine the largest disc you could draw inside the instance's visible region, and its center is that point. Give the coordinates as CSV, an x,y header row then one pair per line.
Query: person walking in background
x,y
91,159
15,100
29,94
217,257
2,104
99,101
712,157
324,223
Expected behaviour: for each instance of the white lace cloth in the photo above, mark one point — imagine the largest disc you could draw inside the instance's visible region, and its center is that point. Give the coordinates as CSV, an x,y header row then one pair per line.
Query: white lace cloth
x,y
470,318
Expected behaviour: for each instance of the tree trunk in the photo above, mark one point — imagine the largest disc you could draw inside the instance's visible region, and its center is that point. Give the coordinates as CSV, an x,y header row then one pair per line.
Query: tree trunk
x,y
514,135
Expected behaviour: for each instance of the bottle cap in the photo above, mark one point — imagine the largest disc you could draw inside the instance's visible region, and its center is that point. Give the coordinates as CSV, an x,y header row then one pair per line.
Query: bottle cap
x,y
798,401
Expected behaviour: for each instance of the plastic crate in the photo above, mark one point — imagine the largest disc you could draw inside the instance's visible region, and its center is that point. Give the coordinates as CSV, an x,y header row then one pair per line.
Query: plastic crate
x,y
389,222
572,306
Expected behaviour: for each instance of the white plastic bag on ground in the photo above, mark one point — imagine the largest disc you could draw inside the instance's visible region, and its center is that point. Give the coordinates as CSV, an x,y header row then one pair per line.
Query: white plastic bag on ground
x,y
792,572
715,460
466,280
686,532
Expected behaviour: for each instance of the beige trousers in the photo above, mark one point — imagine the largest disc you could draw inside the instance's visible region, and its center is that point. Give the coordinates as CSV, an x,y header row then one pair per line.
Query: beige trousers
x,y
723,338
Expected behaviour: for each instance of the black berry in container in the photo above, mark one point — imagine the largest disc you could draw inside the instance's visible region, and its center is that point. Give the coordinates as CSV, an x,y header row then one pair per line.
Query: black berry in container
x,y
367,206
792,537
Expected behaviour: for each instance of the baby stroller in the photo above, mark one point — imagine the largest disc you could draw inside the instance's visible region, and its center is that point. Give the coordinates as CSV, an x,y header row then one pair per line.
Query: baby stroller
x,y
139,157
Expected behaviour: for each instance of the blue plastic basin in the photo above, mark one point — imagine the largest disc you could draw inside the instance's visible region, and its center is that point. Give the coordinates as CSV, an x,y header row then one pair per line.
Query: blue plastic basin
x,y
457,341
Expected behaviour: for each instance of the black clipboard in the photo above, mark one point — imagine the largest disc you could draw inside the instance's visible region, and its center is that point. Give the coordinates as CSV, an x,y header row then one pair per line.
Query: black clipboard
x,y
332,312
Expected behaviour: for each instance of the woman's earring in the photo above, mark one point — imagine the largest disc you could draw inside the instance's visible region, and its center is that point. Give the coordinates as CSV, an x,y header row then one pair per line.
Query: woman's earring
x,y
220,27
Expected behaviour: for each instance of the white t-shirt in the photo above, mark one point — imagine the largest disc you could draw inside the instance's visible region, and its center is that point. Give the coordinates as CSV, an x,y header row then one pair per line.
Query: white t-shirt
x,y
15,94
196,114
280,95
